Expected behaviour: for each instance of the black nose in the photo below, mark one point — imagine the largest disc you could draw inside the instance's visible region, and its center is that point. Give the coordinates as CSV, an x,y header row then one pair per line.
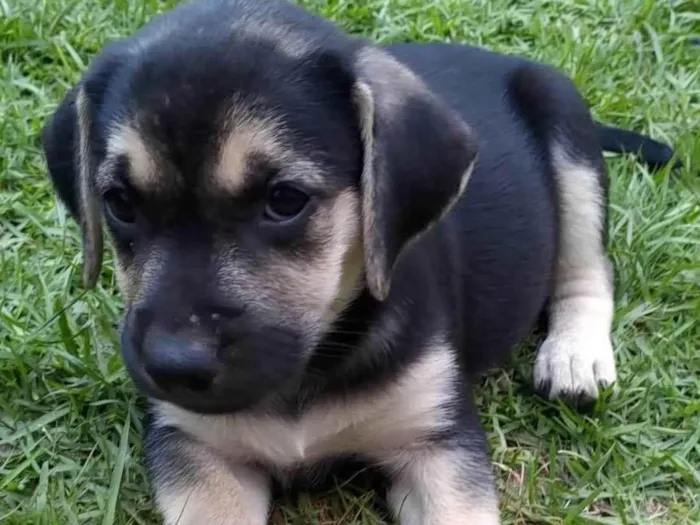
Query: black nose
x,y
177,362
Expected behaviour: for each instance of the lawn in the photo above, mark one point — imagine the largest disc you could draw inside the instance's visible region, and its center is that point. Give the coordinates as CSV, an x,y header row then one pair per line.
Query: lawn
x,y
70,419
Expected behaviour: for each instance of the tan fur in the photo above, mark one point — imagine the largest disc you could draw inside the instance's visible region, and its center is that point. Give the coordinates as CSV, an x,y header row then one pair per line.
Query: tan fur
x,y
374,254
91,214
127,140
466,176
577,355
351,282
371,423
219,493
331,281
247,136
135,280
432,488
126,281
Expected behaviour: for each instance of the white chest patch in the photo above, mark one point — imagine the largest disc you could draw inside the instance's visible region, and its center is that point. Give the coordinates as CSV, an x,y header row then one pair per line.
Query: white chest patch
x,y
369,424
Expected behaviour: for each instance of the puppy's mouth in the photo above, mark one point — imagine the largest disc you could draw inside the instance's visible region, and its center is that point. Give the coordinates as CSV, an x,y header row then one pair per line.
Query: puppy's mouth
x,y
208,378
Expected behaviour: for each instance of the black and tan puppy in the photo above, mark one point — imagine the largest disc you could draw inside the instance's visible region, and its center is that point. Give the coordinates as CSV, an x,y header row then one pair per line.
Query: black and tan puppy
x,y
319,241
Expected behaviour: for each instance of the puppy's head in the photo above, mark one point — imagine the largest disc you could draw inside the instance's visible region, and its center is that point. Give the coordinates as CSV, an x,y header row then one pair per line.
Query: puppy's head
x,y
253,183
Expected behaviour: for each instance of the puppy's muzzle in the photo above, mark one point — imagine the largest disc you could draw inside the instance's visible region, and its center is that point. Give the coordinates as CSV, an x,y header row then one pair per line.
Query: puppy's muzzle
x,y
178,362
209,359
178,355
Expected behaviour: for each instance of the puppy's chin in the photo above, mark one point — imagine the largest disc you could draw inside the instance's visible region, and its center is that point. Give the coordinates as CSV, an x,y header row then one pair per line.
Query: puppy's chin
x,y
205,405
235,395
214,404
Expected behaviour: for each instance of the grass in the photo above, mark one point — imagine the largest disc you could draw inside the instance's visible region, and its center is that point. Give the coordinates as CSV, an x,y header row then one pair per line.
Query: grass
x,y
69,417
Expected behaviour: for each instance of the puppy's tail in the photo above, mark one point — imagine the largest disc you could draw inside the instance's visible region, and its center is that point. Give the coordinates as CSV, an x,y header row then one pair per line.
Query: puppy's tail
x,y
653,153
550,101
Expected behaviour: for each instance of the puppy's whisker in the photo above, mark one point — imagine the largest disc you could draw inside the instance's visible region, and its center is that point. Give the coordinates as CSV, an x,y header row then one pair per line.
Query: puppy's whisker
x,y
343,331
335,346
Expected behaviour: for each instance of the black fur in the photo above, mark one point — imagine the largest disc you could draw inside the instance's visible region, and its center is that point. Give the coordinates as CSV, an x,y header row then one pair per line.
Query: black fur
x,y
480,277
654,154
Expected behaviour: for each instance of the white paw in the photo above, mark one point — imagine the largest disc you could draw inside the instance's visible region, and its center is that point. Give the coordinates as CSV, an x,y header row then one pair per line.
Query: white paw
x,y
574,366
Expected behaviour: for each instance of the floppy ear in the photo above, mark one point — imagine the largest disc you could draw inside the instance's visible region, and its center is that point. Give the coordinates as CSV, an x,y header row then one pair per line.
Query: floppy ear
x,y
72,152
418,156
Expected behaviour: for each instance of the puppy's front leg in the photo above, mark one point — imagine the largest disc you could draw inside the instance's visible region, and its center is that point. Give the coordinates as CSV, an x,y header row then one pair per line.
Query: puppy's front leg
x,y
446,485
195,486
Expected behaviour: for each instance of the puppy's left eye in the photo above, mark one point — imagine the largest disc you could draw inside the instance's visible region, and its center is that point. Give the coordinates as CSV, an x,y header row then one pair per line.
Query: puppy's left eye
x,y
284,202
119,207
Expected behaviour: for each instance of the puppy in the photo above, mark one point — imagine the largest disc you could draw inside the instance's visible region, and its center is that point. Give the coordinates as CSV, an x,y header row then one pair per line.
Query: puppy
x,y
320,241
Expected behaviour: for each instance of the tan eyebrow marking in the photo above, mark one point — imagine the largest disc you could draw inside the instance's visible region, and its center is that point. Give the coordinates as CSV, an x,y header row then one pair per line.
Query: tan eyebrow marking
x,y
127,141
247,138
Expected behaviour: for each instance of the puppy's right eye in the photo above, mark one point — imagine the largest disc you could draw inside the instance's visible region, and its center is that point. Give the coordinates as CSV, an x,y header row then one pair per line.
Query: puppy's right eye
x,y
119,207
285,202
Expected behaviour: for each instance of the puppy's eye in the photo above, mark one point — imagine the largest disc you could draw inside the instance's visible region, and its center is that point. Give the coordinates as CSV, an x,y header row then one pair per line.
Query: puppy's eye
x,y
119,206
285,202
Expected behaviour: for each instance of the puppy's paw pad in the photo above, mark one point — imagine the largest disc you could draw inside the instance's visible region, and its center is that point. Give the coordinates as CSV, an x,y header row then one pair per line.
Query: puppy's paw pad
x,y
573,368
